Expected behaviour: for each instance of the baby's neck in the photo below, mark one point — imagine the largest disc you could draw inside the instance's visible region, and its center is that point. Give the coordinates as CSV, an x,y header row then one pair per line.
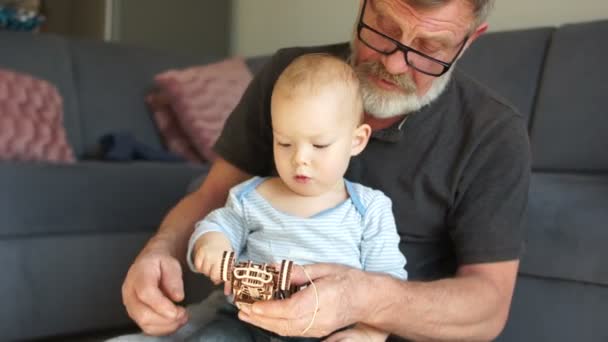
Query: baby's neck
x,y
285,200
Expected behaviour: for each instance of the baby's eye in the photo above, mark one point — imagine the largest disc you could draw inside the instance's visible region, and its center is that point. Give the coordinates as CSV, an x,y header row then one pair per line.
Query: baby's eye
x,y
283,144
321,146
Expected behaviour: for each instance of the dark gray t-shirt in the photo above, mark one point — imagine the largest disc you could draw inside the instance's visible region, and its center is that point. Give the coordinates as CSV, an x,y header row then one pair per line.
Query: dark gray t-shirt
x,y
457,171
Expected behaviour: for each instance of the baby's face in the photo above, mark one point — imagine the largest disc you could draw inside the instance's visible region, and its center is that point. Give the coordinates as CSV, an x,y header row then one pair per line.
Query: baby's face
x,y
314,136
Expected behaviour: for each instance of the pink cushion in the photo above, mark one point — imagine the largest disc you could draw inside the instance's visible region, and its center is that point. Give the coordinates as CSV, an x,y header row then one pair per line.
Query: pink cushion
x,y
31,120
191,105
168,126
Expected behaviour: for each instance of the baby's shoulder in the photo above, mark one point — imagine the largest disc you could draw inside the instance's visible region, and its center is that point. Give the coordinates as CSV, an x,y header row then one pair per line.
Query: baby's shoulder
x,y
365,197
241,190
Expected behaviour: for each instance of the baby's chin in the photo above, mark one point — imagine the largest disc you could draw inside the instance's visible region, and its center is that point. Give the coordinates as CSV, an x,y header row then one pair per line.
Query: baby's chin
x,y
305,191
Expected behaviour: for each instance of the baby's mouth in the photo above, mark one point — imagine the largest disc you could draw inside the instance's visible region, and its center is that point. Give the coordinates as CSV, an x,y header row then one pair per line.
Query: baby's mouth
x,y
301,178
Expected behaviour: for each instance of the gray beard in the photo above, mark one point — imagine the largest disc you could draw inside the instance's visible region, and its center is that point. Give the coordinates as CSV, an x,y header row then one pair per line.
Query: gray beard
x,y
385,104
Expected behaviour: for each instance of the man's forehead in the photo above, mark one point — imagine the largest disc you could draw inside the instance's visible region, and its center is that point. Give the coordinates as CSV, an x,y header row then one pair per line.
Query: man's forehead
x,y
424,3
435,16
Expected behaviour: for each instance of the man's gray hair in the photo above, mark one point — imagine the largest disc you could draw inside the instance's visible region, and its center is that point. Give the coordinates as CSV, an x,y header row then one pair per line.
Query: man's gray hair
x,y
481,8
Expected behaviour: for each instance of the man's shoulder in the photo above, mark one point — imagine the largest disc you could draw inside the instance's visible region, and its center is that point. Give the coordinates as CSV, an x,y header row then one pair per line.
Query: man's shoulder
x,y
476,95
482,110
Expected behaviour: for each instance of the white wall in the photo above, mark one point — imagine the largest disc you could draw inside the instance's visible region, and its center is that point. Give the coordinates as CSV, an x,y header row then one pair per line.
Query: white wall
x,y
262,26
511,14
193,27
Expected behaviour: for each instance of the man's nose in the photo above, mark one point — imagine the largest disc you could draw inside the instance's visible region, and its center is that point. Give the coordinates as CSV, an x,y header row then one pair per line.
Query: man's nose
x,y
395,63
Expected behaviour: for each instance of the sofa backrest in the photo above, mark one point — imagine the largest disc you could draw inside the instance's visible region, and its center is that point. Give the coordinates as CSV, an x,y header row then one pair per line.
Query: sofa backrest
x,y
111,82
568,212
562,292
558,79
570,124
510,63
103,85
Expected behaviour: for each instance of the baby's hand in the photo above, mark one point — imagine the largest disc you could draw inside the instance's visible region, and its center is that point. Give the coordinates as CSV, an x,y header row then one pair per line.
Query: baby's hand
x,y
358,333
208,251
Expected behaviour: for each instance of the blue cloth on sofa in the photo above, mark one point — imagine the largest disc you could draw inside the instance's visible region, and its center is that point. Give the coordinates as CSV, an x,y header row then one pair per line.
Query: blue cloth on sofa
x,y
123,146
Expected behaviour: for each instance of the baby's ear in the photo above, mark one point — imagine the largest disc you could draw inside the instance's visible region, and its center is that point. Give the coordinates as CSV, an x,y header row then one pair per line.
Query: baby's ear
x,y
360,138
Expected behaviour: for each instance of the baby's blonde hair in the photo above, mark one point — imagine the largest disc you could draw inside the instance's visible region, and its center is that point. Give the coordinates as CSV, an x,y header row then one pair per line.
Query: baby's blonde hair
x,y
312,73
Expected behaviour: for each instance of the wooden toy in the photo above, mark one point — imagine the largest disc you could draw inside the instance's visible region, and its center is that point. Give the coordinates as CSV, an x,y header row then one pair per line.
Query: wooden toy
x,y
253,282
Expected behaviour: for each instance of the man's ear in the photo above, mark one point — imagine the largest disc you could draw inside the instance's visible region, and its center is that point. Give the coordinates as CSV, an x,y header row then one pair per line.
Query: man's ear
x,y
360,138
481,29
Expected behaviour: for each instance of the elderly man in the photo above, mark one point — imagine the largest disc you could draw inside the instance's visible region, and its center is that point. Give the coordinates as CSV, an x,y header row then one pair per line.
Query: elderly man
x,y
453,158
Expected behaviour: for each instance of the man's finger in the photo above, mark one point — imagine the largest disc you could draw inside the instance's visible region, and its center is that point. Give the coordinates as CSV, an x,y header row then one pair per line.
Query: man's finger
x,y
162,329
284,327
155,299
150,321
338,337
300,304
171,279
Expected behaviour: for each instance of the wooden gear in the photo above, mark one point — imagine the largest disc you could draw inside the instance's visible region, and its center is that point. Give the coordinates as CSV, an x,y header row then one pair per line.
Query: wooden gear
x,y
252,282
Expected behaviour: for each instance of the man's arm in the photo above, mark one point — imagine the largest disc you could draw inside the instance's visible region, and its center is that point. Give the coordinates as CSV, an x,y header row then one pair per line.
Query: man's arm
x,y
472,306
177,226
154,281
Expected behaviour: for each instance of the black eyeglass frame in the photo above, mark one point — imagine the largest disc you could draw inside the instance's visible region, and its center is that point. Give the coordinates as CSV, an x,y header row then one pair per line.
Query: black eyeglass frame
x,y
404,48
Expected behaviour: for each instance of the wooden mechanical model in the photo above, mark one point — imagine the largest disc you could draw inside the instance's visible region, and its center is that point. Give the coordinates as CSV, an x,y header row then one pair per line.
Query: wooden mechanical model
x,y
252,282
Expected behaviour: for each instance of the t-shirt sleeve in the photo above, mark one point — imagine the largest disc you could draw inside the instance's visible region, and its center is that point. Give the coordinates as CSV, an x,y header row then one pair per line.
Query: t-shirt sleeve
x,y
246,139
380,241
229,220
487,219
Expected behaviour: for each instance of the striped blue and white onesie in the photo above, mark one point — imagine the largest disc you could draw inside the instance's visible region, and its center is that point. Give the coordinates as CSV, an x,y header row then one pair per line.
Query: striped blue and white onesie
x,y
359,232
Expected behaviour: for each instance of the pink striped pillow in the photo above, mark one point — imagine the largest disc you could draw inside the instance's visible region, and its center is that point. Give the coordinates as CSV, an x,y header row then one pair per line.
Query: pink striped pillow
x,y
170,130
31,120
191,105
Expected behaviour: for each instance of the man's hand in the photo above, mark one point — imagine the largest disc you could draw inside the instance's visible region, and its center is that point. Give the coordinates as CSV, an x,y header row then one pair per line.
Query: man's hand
x,y
339,289
153,284
208,252
358,333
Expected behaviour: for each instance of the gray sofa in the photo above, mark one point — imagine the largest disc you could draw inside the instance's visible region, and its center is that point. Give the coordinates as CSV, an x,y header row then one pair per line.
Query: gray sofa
x,y
69,232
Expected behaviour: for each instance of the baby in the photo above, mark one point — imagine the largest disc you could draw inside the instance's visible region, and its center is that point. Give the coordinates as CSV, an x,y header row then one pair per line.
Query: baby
x,y
309,213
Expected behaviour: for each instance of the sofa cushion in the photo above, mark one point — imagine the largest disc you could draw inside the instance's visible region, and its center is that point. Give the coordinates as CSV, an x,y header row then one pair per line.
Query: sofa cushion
x,y
510,63
171,131
571,119
70,284
567,227
89,197
31,120
47,57
555,310
201,98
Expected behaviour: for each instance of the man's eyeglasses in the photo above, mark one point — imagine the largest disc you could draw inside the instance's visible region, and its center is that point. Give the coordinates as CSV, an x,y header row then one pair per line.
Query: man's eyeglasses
x,y
386,45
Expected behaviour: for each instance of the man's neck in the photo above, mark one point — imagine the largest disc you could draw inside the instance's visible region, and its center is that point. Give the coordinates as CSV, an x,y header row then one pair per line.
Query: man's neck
x,y
377,124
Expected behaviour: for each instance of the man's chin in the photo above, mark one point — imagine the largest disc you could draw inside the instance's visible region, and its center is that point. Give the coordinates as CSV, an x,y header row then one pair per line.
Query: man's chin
x,y
381,107
382,104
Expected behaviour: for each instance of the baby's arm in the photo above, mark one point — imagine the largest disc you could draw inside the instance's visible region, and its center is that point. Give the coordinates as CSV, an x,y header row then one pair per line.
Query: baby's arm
x,y
208,251
224,229
379,253
380,242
